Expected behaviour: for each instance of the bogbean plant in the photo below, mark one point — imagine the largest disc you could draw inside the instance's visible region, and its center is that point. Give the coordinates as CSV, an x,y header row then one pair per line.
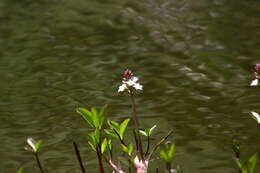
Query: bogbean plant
x,y
103,131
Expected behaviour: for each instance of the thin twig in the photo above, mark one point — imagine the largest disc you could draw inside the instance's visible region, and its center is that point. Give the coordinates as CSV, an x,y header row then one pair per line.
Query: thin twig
x,y
79,157
158,144
38,162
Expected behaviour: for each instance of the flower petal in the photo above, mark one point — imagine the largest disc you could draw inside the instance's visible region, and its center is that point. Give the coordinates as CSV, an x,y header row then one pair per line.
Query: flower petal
x,y
256,116
254,82
122,88
134,79
137,86
31,142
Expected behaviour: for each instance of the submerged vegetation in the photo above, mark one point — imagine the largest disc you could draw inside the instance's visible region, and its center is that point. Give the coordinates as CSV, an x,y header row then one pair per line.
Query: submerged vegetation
x,y
137,151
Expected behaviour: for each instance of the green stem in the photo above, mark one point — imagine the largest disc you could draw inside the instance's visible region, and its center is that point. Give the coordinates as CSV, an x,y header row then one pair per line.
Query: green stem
x,y
148,145
138,139
134,112
38,162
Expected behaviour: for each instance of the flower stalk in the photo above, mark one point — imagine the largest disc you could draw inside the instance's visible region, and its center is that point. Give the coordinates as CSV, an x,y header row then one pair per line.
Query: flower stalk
x,y
79,157
138,137
38,162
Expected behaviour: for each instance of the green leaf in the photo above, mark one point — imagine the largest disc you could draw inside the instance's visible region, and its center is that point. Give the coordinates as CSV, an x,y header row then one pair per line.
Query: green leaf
x,y
239,164
19,170
92,146
171,152
111,133
124,148
38,145
109,143
143,133
130,149
251,163
97,136
95,118
113,125
151,130
163,155
92,139
123,127
87,115
104,145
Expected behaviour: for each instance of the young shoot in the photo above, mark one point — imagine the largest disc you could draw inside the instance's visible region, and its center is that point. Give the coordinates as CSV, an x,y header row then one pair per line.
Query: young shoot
x,y
34,146
167,154
248,166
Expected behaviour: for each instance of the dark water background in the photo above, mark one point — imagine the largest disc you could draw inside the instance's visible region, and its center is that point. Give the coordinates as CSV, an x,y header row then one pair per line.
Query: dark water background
x,y
194,58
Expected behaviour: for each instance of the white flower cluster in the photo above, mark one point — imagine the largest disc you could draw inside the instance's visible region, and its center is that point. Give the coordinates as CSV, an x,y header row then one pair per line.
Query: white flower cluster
x,y
129,84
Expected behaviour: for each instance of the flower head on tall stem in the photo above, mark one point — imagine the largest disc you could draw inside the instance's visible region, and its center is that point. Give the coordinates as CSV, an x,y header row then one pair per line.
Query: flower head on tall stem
x,y
257,75
129,82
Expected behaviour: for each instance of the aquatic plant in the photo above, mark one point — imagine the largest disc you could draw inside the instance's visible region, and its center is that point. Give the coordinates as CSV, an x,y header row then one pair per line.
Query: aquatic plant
x,y
107,134
100,139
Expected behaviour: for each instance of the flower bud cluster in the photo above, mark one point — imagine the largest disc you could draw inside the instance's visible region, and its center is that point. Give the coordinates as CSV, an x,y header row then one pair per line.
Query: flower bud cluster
x,y
256,73
257,76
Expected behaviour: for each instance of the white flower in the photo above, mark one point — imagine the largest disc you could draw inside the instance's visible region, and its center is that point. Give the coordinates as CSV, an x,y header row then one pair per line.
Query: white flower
x,y
130,84
32,143
254,82
137,86
140,166
256,116
122,88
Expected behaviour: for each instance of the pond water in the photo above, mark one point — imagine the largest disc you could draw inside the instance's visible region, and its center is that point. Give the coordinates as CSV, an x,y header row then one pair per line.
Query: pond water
x,y
194,58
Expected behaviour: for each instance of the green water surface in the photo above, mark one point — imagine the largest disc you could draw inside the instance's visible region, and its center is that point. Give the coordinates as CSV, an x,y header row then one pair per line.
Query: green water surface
x,y
194,58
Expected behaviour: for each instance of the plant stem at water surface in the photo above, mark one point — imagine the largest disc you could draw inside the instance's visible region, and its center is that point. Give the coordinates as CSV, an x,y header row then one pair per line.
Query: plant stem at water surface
x,y
38,162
